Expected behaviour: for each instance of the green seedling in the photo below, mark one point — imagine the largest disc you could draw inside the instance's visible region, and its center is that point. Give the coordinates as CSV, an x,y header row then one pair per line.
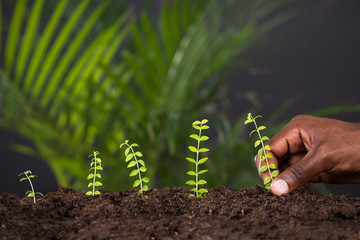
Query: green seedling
x,y
199,138
95,165
263,155
28,174
132,158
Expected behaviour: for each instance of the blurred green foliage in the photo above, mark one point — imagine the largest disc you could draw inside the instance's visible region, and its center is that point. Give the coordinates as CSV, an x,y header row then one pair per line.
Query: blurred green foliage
x,y
84,75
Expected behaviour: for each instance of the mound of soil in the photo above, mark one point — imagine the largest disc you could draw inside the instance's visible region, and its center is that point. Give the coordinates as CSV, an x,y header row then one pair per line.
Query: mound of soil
x,y
223,213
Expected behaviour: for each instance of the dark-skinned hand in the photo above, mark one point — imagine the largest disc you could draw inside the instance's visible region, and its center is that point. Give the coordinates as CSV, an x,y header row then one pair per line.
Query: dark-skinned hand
x,y
313,149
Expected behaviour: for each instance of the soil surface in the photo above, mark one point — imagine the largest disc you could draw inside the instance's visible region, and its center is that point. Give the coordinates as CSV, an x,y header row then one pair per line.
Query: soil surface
x,y
223,213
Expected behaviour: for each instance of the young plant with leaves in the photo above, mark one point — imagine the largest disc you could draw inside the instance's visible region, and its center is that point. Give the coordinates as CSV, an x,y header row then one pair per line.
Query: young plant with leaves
x,y
131,156
263,155
96,166
199,138
28,174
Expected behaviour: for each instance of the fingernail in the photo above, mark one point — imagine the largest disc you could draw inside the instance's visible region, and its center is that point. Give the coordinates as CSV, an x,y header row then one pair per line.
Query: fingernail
x,y
279,187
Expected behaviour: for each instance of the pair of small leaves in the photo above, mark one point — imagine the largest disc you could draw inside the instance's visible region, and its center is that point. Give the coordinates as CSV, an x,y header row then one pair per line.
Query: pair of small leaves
x,y
133,163
192,182
201,161
192,173
250,119
257,142
137,182
145,188
97,168
91,175
200,192
136,171
265,167
95,193
32,194
195,150
97,184
131,155
196,137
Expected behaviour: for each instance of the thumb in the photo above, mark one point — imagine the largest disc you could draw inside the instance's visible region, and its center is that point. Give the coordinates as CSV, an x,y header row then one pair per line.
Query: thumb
x,y
296,175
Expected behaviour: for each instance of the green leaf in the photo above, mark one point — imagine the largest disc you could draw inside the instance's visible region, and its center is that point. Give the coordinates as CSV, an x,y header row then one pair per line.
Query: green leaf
x,y
265,138
141,162
190,160
89,193
267,186
204,121
24,178
145,179
39,193
92,164
202,171
260,152
99,168
196,127
268,155
257,143
145,188
248,121
194,136
131,164
267,180
121,145
136,183
98,160
134,145
267,147
252,132
263,168
204,150
204,138
134,172
90,176
201,161
127,151
272,166
97,193
129,157
98,175
98,184
143,169
202,182
203,190
191,195
275,173
126,141
262,128
191,173
193,149
31,194
196,123
139,154
204,127
90,184
190,182
27,192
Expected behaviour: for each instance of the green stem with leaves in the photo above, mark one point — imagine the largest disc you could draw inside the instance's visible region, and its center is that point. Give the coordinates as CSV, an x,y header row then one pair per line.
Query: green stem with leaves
x,y
28,174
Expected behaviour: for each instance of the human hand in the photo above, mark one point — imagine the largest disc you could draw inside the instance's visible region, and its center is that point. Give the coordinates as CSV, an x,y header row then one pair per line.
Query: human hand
x,y
313,149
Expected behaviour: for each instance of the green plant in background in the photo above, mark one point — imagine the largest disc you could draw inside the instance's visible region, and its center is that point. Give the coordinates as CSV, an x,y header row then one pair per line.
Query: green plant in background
x,y
95,165
262,154
200,126
28,174
131,156
66,71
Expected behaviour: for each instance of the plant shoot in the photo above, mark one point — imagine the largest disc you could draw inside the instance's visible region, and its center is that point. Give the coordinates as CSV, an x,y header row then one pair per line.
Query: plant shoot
x,y
132,157
28,174
263,155
95,165
197,150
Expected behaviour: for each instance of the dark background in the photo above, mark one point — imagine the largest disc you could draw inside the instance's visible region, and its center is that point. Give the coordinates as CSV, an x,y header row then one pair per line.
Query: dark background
x,y
311,63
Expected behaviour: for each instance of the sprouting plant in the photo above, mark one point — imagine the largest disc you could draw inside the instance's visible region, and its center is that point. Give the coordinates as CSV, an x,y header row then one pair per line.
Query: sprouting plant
x,y
263,155
131,156
199,138
28,174
96,166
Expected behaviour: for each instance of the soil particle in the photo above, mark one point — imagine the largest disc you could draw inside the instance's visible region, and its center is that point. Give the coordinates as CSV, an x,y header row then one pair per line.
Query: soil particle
x,y
169,213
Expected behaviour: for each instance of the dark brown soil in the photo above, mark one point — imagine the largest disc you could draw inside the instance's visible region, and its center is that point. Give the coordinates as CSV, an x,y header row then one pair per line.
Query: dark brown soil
x,y
169,213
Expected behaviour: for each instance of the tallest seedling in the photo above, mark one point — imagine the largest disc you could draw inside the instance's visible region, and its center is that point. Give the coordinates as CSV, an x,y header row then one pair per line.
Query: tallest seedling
x,y
263,155
200,126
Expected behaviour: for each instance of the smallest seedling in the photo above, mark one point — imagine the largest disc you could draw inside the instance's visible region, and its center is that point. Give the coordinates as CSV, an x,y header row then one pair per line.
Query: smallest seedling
x,y
28,174
96,166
